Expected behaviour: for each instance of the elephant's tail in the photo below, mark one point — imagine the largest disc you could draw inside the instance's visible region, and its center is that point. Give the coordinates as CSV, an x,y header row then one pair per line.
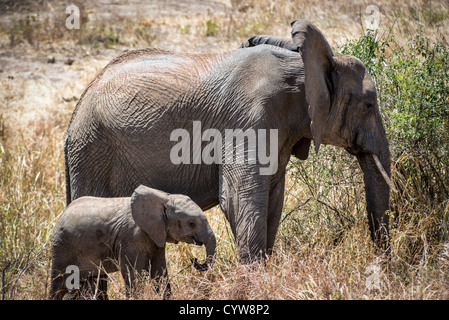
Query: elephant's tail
x,y
68,190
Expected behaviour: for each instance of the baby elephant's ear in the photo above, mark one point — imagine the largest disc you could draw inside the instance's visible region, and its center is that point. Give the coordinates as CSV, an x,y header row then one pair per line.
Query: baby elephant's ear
x,y
147,209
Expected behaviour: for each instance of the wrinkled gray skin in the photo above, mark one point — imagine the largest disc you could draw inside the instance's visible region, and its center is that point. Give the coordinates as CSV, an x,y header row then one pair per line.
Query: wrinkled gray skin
x,y
126,235
119,134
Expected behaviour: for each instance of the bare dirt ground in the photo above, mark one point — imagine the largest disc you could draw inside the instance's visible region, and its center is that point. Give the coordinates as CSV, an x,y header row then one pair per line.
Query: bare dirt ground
x,y
44,75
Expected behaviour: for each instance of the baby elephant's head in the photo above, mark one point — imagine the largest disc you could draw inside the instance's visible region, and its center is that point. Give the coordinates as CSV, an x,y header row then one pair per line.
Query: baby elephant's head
x,y
172,217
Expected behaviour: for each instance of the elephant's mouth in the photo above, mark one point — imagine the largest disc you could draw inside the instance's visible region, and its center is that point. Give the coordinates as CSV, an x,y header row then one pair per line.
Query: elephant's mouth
x,y
196,241
352,151
359,144
355,146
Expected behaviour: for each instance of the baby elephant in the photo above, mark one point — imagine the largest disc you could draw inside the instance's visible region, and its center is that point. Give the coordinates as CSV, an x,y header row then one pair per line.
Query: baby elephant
x,y
102,235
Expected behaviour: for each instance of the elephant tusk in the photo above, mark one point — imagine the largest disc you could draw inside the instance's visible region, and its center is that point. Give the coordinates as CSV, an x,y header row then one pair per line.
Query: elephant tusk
x,y
383,173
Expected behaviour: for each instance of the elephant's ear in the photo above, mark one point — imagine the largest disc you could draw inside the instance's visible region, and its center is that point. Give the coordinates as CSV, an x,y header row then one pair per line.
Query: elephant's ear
x,y
148,212
301,149
318,59
285,43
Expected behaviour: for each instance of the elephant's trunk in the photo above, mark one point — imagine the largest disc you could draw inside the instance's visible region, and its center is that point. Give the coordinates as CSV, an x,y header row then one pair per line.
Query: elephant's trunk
x,y
210,243
377,188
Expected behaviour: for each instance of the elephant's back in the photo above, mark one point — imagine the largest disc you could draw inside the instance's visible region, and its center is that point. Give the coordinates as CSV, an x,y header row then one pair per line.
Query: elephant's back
x,y
87,225
137,88
156,69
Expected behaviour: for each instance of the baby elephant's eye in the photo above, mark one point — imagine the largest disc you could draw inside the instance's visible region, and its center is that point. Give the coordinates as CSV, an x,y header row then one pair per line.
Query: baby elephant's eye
x,y
192,224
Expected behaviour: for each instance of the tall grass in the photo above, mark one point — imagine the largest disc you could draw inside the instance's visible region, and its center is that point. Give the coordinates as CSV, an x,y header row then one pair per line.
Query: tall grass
x,y
32,195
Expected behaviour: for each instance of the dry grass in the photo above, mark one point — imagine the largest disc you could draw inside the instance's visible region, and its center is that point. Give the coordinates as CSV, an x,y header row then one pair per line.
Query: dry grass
x,y
323,249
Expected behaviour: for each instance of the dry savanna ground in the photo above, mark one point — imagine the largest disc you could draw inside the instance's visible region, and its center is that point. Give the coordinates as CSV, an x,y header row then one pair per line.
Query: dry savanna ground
x,y
323,249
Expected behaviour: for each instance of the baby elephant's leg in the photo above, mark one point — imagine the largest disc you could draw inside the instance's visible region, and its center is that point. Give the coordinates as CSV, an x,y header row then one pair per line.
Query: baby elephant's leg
x,y
159,273
132,269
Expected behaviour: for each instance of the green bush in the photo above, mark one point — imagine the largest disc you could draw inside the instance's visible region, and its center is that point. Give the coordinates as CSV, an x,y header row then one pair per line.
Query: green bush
x,y
212,28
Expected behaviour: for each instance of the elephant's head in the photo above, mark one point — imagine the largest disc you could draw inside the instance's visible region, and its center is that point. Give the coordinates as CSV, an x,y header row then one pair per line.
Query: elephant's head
x,y
344,112
172,218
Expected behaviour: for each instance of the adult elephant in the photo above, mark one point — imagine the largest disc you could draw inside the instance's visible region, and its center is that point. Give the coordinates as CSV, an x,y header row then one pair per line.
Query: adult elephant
x,y
121,132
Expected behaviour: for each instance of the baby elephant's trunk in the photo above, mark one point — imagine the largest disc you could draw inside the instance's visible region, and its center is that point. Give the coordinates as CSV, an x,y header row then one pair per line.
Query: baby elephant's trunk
x,y
210,243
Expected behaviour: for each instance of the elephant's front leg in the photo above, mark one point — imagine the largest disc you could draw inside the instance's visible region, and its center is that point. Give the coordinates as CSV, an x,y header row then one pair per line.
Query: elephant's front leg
x,y
276,202
132,266
159,273
244,200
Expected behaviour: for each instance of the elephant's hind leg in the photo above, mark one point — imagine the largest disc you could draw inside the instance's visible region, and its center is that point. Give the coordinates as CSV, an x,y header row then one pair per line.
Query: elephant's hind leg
x,y
89,160
57,287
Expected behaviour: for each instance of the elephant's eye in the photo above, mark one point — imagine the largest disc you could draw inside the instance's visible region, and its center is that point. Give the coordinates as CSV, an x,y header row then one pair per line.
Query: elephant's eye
x,y
369,104
192,224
